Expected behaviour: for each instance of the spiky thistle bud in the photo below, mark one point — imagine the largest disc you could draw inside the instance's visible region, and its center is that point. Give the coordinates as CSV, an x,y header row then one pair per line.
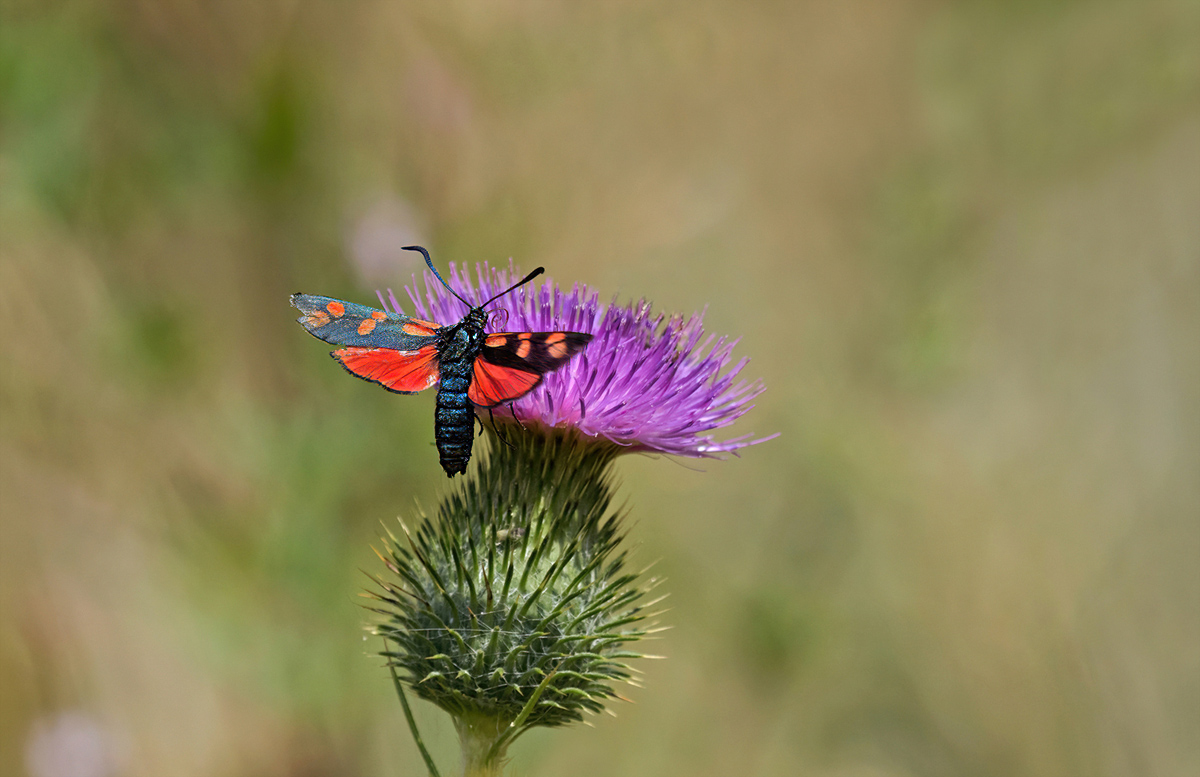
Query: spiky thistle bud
x,y
512,607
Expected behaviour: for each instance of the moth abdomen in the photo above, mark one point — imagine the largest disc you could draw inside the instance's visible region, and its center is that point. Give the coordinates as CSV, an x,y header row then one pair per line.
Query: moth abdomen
x,y
454,416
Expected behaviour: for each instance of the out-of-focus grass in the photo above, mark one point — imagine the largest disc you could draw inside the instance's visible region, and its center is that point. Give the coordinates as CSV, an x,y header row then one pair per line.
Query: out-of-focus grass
x,y
959,241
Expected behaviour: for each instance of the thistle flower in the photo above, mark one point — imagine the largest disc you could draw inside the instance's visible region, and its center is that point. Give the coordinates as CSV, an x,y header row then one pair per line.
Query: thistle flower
x,y
645,383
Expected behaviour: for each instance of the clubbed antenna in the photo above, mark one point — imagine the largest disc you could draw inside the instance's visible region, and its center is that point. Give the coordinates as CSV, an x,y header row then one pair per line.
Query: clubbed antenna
x,y
429,262
519,283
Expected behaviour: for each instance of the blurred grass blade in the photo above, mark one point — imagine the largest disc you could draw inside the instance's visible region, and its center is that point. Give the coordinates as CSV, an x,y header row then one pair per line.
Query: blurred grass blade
x,y
412,724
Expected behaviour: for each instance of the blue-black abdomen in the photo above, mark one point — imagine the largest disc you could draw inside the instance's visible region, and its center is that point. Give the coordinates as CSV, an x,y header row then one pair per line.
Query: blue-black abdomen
x,y
454,416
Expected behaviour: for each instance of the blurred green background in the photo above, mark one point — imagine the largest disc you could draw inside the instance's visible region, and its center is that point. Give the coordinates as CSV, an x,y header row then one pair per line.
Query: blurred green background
x,y
961,242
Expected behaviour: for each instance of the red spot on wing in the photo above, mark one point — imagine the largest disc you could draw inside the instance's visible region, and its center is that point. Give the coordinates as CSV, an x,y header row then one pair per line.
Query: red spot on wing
x,y
378,315
495,341
406,372
367,326
336,308
493,384
523,349
419,328
557,349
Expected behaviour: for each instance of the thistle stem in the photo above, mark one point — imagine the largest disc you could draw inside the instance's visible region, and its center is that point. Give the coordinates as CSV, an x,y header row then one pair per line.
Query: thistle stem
x,y
478,735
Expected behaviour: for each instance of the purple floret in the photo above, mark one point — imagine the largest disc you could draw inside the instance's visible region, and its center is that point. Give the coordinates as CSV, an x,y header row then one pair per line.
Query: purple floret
x,y
645,382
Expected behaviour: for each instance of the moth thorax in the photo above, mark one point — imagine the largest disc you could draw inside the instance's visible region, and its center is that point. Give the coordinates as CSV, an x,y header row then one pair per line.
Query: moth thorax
x,y
477,318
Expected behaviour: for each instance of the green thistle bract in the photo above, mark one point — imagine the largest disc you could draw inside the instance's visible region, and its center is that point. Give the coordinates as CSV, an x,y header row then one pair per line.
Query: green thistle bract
x,y
513,605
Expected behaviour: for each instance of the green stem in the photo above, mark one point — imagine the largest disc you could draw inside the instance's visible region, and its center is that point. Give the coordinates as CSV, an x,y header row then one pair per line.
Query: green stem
x,y
478,735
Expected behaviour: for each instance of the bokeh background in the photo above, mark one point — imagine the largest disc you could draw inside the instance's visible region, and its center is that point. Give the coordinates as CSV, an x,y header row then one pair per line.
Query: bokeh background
x,y
961,242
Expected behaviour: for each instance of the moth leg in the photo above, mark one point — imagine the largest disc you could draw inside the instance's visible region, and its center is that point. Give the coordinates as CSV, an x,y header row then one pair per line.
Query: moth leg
x,y
513,409
496,429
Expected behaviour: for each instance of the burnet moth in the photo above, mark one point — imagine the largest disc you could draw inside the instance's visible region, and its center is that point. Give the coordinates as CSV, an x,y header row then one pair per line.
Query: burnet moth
x,y
470,368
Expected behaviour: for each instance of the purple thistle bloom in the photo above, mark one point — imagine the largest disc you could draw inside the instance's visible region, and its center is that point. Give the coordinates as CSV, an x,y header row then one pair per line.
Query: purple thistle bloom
x,y
645,382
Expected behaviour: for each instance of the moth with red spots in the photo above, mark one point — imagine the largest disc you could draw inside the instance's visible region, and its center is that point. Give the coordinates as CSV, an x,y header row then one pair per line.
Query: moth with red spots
x,y
470,368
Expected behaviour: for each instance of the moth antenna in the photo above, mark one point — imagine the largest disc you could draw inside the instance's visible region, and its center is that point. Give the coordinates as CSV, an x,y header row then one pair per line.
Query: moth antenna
x,y
516,285
438,275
